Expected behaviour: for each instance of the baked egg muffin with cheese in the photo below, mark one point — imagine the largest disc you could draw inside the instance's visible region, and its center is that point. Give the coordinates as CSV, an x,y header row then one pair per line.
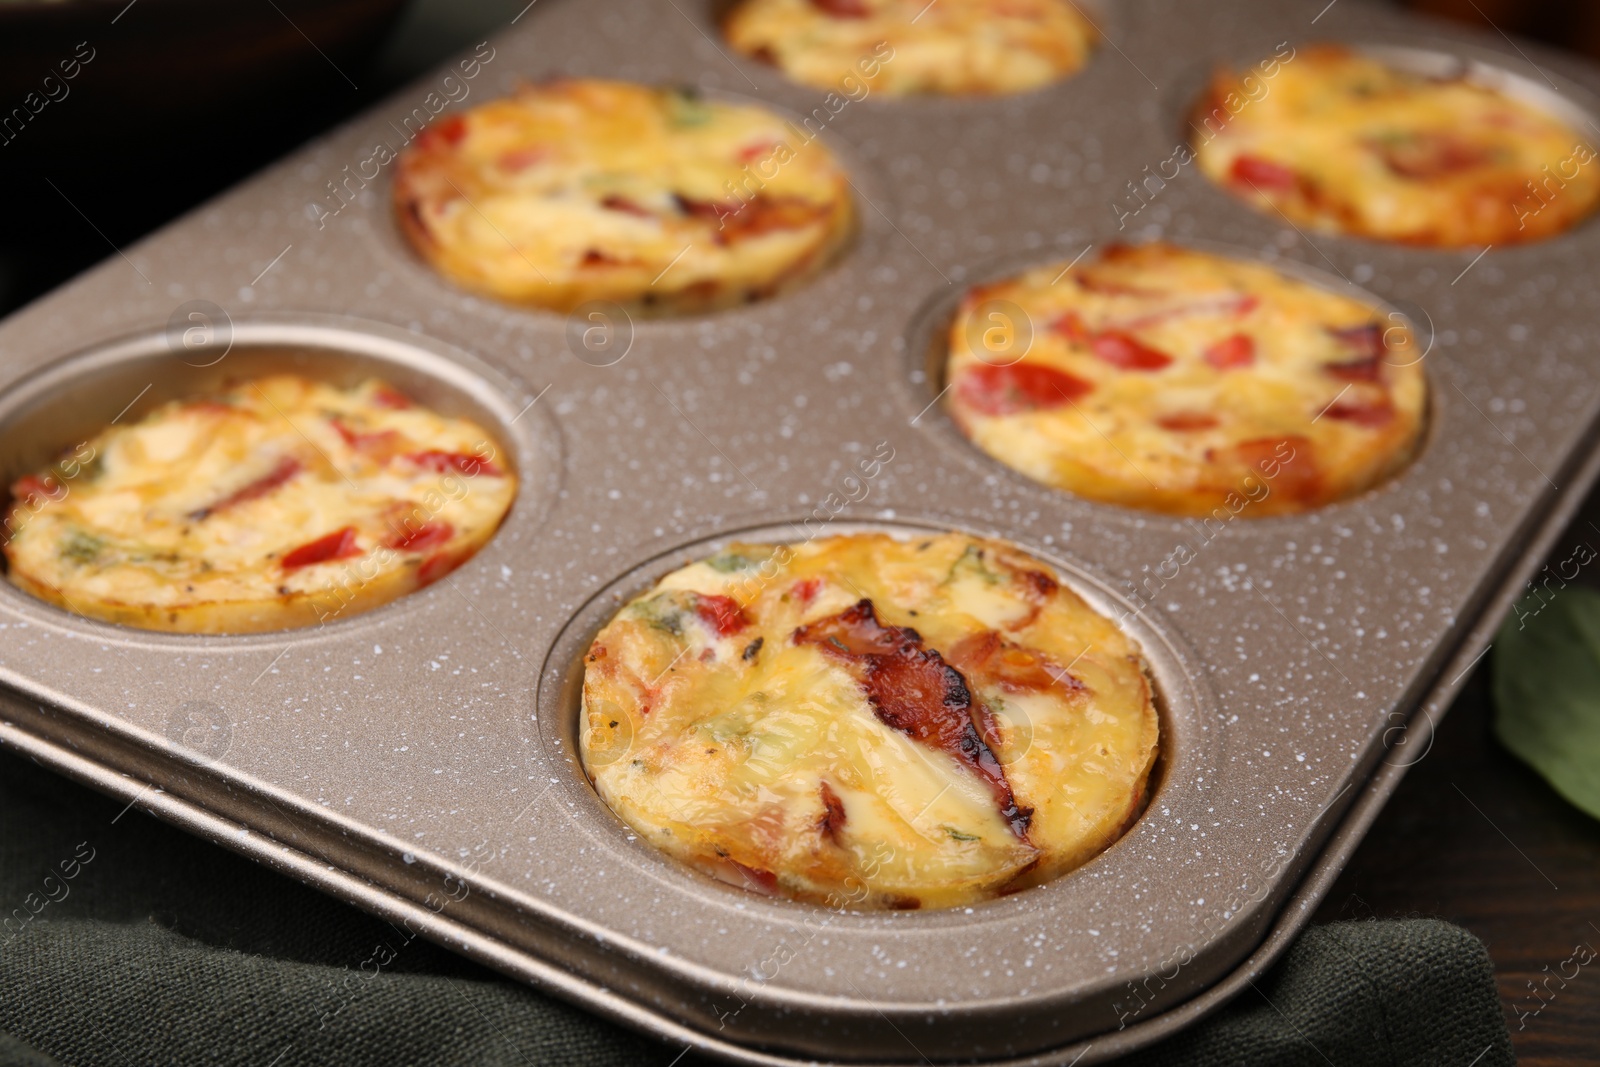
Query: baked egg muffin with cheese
x,y
1180,381
1343,143
869,722
904,47
656,199
280,502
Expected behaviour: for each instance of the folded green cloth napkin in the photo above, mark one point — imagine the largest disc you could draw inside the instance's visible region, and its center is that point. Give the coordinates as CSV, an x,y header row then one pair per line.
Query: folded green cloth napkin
x,y
162,949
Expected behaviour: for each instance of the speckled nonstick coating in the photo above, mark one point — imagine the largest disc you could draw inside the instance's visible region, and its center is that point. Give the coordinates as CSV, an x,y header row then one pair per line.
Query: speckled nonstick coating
x,y
418,759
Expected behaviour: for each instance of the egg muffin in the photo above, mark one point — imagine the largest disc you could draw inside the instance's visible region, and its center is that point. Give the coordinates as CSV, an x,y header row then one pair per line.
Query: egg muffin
x,y
281,502
903,47
1342,143
868,722
656,199
1180,381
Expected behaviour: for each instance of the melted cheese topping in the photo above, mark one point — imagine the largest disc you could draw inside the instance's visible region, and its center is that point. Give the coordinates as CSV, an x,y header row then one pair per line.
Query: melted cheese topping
x,y
901,47
1342,143
283,502
1163,378
578,190
1003,737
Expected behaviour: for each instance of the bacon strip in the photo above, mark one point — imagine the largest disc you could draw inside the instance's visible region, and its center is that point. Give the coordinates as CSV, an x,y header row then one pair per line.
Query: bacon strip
x,y
913,690
832,822
991,658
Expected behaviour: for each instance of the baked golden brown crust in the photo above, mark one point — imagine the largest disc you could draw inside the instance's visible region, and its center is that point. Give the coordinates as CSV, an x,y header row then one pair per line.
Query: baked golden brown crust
x,y
280,503
655,199
1179,381
1342,143
904,47
869,722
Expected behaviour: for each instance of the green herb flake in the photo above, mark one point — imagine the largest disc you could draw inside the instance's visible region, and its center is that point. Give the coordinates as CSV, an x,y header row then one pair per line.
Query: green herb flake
x,y
81,547
957,835
971,562
1547,691
685,108
732,561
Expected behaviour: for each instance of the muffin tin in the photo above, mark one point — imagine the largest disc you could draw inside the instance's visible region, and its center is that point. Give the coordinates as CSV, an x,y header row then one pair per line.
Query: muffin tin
x,y
418,759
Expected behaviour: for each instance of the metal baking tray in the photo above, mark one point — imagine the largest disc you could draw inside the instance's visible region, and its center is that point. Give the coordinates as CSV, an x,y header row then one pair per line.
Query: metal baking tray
x,y
418,760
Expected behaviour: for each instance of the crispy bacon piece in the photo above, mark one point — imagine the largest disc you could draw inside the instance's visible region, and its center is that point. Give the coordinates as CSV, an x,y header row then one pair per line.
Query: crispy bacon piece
x,y
988,657
1019,387
1239,350
1428,154
461,462
286,468
1292,458
341,544
1371,413
1365,340
913,690
842,9
1187,421
768,214
1124,351
1038,585
1354,370
365,440
1264,174
430,534
617,202
722,613
832,822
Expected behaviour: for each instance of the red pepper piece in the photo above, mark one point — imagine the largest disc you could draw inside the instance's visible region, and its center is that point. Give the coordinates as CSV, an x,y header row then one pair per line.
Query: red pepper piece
x,y
723,614
461,462
286,469
385,396
1127,352
1264,174
430,534
341,544
1019,387
1229,353
437,566
31,487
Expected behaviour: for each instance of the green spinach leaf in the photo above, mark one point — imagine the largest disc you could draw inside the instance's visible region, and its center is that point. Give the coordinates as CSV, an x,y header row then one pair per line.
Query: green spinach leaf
x,y
1547,691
